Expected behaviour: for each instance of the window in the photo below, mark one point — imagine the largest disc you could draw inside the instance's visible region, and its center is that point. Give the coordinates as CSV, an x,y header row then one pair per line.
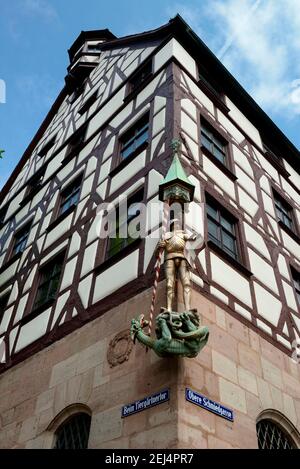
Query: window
x,y
78,92
140,76
2,215
76,142
222,229
271,436
70,196
3,303
213,142
284,211
49,282
35,183
74,433
272,154
120,238
20,240
296,281
135,137
47,147
94,47
89,102
209,83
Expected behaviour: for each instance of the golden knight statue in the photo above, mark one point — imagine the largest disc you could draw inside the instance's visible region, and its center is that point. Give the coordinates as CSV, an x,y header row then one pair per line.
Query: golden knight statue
x,y
176,262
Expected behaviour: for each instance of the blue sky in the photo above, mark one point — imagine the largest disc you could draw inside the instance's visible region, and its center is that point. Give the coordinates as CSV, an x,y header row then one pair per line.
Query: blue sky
x,y
257,40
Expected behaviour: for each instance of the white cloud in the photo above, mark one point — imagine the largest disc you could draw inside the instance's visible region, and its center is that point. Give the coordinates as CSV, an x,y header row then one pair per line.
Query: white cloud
x,y
258,41
262,49
41,8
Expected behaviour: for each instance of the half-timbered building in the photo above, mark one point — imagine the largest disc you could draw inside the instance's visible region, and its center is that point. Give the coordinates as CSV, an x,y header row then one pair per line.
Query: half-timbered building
x,y
67,294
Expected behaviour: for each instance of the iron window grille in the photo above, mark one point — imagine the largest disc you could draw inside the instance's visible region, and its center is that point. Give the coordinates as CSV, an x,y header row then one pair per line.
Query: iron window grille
x,y
49,282
213,142
117,242
74,434
284,212
296,281
222,229
20,240
271,436
70,196
135,137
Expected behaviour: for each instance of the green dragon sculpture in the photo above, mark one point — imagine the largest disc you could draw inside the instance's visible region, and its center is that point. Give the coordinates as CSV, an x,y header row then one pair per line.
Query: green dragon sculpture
x,y
177,333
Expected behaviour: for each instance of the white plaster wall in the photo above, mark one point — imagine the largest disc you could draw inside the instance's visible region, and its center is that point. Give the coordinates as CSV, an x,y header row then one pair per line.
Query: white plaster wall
x,y
218,176
128,172
242,160
59,230
268,306
89,258
229,279
84,288
244,123
68,275
116,276
33,330
254,238
262,270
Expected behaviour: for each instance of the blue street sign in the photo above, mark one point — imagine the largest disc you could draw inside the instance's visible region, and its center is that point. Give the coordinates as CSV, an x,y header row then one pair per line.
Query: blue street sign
x,y
145,403
208,404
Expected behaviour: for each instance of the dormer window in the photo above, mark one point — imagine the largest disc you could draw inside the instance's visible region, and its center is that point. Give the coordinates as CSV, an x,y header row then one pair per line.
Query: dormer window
x,y
43,152
76,141
88,104
2,215
208,83
35,183
140,76
94,48
77,92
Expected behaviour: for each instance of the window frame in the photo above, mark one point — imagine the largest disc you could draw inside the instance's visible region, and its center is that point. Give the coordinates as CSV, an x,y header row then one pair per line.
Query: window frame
x,y
133,87
3,213
77,183
88,103
74,149
218,133
34,185
131,200
57,217
291,231
242,262
296,279
33,307
45,149
12,254
222,213
119,162
3,304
